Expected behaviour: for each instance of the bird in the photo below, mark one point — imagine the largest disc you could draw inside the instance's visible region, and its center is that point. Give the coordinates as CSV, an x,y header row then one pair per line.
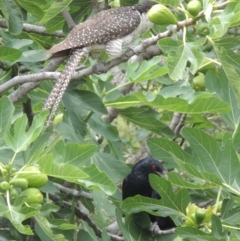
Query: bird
x,y
110,30
137,183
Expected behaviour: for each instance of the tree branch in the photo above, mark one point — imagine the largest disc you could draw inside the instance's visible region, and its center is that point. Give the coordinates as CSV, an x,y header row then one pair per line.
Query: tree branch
x,y
73,192
101,67
30,28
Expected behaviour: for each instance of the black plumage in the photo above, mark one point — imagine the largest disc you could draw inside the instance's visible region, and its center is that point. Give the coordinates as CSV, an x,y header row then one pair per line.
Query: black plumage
x,y
137,183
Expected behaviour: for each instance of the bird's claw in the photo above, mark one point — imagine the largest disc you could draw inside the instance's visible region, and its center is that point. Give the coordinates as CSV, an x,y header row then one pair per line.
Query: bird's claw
x,y
154,228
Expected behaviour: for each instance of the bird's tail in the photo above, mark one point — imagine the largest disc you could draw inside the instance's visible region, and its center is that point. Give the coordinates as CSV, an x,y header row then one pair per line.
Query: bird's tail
x,y
58,90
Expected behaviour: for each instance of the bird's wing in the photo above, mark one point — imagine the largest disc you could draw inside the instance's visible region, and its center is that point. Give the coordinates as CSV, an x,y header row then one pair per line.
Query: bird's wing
x,y
103,27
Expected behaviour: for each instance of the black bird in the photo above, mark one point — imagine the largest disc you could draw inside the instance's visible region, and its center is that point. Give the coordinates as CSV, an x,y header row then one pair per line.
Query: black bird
x,y
137,182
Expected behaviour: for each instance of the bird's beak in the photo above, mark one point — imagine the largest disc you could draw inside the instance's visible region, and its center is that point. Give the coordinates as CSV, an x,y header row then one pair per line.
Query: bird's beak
x,y
162,174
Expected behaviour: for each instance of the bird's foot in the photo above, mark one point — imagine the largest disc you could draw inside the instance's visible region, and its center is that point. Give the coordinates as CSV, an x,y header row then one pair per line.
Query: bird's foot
x,y
99,68
131,48
154,228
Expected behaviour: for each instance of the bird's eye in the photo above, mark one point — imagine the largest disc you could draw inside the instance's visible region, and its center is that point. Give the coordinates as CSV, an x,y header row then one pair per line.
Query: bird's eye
x,y
154,167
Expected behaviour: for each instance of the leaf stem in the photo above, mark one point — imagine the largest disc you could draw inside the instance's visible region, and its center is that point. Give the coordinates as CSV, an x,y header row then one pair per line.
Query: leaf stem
x,y
184,27
88,116
231,227
117,87
220,5
232,189
214,61
218,198
13,158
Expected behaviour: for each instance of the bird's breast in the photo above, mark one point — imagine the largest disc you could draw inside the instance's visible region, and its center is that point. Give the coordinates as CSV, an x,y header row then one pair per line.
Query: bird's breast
x,y
144,26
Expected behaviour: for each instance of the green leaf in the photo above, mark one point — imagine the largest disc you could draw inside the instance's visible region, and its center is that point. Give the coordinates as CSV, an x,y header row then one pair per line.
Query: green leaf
x,y
177,201
137,225
6,113
222,21
202,103
177,180
221,86
33,7
63,171
230,65
73,153
61,224
13,16
148,119
236,137
171,204
139,203
55,9
179,53
103,128
217,229
123,228
9,54
229,212
101,216
44,230
210,158
146,70
16,215
33,56
98,180
161,149
88,100
196,234
172,153
20,139
37,149
55,23
115,169
89,231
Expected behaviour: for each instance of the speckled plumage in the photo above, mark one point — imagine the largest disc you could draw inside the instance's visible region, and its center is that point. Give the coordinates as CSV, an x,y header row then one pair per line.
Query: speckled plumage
x,y
108,30
101,28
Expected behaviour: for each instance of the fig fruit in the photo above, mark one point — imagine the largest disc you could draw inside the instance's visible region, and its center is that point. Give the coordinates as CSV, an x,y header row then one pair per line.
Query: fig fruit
x,y
194,7
202,29
19,182
5,185
199,82
34,177
34,196
161,15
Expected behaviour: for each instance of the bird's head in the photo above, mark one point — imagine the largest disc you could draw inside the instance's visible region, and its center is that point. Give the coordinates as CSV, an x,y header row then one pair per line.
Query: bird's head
x,y
148,166
144,6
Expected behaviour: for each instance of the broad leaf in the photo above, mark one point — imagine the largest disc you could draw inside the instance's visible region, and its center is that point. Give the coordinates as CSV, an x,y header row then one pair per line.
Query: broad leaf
x,y
115,169
20,139
73,153
9,54
44,230
202,103
230,65
63,171
179,53
147,70
221,86
13,16
6,113
55,9
223,163
17,215
229,212
33,7
97,180
146,118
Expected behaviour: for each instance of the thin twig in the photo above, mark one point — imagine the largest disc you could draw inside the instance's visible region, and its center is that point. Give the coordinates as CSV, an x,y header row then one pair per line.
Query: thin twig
x,y
30,28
